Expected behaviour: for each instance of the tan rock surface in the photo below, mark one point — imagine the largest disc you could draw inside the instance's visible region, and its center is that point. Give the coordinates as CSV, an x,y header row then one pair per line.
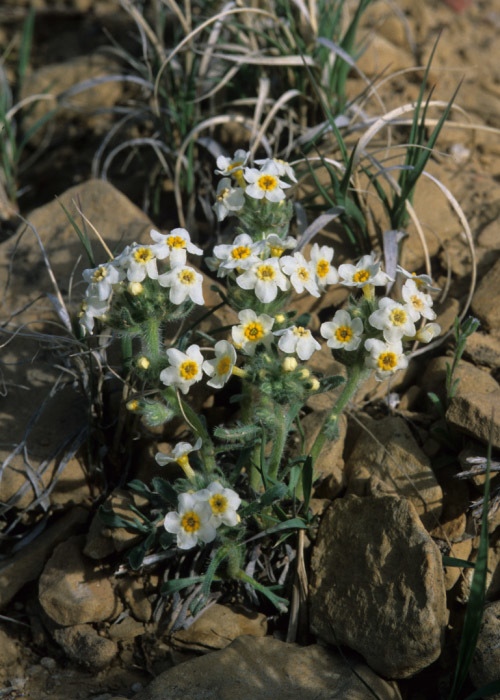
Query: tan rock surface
x,y
263,668
377,584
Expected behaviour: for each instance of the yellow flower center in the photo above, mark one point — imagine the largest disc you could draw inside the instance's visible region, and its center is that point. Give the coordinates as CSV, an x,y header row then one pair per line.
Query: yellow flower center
x,y
236,164
218,503
224,365
387,360
303,274
301,332
343,334
186,277
223,194
176,242
99,274
240,252
322,268
398,317
417,302
143,255
276,251
188,369
267,182
361,276
266,273
253,331
190,521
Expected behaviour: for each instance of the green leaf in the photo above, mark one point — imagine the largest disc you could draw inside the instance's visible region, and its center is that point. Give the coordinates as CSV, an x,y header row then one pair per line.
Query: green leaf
x,y
84,239
164,489
178,584
275,493
453,561
217,560
307,480
332,382
485,691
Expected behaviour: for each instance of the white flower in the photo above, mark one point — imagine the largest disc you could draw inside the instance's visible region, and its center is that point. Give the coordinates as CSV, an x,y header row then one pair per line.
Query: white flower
x,y
91,308
366,271
284,168
180,455
228,199
423,282
252,331
428,332
394,319
301,273
185,368
231,166
241,253
265,183
221,367
277,245
299,340
184,282
140,262
192,522
385,358
176,244
420,302
223,503
264,277
101,280
342,332
321,259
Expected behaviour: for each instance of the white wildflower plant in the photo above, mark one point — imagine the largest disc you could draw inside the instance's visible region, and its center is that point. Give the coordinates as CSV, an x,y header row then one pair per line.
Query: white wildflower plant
x,y
240,479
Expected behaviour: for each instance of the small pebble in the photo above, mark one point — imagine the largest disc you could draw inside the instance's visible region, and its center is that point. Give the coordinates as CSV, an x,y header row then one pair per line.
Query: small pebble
x,y
137,687
48,663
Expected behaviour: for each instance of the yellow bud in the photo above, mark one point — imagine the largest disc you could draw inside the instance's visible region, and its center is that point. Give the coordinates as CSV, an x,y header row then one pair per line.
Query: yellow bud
x,y
143,362
314,384
289,364
135,288
280,318
304,373
133,405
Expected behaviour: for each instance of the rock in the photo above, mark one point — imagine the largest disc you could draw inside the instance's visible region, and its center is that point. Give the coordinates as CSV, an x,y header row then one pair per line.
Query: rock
x,y
459,550
263,668
377,584
124,629
456,500
133,593
490,236
118,538
484,349
218,626
387,459
8,649
381,55
485,666
483,304
82,644
470,378
27,564
56,78
72,591
118,221
476,414
329,465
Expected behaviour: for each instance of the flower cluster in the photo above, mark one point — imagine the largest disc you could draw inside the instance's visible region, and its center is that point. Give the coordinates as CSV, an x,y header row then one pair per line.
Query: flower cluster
x,y
134,269
200,513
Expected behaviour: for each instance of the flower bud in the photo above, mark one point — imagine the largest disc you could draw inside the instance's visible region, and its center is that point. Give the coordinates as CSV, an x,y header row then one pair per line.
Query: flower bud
x,y
133,405
304,373
314,384
135,288
289,364
280,318
143,362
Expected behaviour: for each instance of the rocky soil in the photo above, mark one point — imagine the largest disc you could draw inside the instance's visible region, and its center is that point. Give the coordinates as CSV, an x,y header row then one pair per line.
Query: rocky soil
x,y
383,611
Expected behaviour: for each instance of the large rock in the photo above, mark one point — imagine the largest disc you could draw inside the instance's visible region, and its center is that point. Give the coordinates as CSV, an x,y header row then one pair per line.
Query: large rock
x,y
377,584
72,591
485,667
118,221
218,626
27,564
387,459
485,303
263,668
83,645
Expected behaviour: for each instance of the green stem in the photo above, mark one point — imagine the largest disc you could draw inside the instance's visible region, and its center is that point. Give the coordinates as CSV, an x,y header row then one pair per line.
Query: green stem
x,y
279,442
151,338
355,375
246,415
126,342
